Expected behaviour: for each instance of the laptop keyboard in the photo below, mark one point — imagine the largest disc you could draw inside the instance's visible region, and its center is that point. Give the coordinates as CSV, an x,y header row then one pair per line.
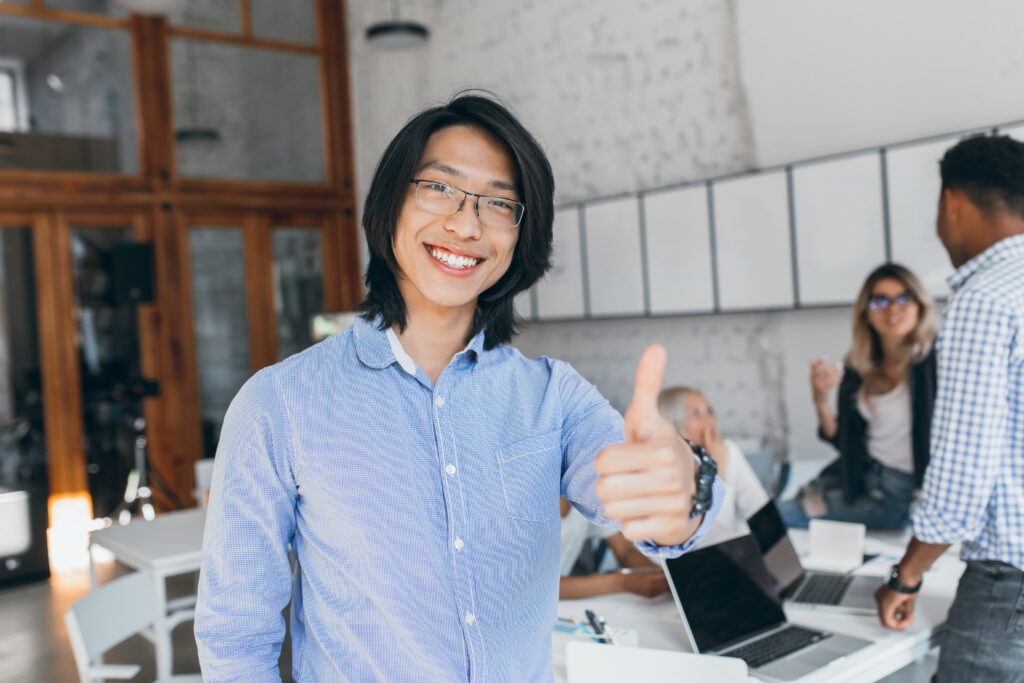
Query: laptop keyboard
x,y
823,589
779,644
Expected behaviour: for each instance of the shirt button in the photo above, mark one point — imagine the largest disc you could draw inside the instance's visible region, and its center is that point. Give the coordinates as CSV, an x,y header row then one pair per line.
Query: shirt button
x,y
470,618
459,544
450,469
439,401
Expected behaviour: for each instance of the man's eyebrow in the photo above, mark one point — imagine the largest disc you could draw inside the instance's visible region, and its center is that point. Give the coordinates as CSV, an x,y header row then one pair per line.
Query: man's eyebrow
x,y
452,171
443,168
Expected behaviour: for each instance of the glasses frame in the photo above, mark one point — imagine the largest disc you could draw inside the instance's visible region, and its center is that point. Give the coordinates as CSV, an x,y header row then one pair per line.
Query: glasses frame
x,y
884,302
465,194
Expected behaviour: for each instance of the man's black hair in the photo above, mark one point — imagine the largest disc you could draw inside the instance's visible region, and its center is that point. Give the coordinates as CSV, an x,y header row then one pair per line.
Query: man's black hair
x,y
535,184
989,169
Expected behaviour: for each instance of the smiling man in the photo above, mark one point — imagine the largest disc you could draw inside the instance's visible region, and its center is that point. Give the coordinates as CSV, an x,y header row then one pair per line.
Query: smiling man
x,y
415,461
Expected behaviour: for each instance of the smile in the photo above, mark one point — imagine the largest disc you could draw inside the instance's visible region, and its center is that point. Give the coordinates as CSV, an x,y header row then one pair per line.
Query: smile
x,y
453,260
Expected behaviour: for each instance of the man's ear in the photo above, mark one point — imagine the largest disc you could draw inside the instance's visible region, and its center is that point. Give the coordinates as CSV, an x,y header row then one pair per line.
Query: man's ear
x,y
952,202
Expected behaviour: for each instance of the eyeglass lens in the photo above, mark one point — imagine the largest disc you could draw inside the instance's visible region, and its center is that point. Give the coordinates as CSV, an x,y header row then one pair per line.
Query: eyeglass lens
x,y
880,302
444,199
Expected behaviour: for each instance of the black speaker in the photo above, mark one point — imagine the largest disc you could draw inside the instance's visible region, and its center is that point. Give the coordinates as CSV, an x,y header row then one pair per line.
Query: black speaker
x,y
133,272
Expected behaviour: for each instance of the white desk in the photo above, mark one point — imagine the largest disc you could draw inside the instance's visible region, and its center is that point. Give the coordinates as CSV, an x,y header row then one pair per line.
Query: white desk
x,y
659,625
169,545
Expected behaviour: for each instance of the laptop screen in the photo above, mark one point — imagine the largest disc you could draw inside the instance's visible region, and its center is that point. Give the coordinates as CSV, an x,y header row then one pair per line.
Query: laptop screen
x,y
725,592
779,554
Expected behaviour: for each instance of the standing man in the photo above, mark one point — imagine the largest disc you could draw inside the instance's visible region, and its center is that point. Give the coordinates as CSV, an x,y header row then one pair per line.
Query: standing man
x,y
414,462
974,485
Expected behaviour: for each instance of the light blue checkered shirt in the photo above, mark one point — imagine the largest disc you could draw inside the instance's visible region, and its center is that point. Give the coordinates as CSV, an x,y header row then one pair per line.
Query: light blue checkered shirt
x,y
974,485
424,517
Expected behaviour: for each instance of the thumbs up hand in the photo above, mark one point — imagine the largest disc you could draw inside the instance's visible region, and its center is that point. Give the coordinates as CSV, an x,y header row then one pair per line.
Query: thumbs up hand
x,y
648,482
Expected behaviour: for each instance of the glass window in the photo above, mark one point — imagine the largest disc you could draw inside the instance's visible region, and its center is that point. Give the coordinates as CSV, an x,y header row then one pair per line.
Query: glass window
x,y
294,21
298,287
246,113
211,15
111,7
76,100
22,434
108,352
220,322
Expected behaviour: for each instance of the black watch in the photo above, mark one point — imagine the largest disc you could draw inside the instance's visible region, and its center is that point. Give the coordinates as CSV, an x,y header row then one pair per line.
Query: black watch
x,y
705,479
894,582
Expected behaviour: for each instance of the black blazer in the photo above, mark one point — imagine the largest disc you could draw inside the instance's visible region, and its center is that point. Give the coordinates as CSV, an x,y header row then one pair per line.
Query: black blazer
x,y
851,435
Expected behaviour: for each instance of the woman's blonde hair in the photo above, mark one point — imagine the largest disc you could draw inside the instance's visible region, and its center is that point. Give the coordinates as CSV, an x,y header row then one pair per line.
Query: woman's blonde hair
x,y
672,405
866,353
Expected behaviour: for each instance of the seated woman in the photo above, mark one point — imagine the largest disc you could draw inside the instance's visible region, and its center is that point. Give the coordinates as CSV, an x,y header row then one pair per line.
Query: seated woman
x,y
688,409
637,574
886,392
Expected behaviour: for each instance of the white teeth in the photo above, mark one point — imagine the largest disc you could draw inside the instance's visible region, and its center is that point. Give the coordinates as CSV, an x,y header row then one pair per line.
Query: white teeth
x,y
452,260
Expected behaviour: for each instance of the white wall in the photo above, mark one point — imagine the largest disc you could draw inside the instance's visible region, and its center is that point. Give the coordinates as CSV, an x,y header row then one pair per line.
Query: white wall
x,y
672,90
825,77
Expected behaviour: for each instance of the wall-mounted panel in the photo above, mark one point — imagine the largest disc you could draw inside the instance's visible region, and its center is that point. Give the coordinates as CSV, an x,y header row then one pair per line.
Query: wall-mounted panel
x,y
524,305
840,226
678,237
560,292
751,215
612,232
914,187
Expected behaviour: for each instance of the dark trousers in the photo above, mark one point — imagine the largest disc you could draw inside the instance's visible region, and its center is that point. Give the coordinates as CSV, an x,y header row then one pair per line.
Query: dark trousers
x,y
983,640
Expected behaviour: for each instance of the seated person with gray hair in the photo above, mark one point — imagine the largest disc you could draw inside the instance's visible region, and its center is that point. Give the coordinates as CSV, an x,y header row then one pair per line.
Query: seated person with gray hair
x,y
691,413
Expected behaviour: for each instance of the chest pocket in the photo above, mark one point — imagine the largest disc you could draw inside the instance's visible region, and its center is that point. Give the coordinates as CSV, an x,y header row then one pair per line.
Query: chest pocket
x,y
531,472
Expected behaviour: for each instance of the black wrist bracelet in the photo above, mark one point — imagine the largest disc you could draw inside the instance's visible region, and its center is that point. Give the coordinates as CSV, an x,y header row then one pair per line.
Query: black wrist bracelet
x,y
705,479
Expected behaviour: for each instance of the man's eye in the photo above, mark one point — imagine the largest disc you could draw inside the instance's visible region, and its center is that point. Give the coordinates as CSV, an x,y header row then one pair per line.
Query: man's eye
x,y
501,204
439,188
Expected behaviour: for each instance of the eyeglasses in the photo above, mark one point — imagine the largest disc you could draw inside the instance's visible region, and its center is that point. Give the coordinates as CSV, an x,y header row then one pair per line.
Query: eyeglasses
x,y
880,302
444,200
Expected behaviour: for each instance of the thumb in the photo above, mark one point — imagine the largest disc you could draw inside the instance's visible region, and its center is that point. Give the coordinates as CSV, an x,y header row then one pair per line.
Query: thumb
x,y
642,416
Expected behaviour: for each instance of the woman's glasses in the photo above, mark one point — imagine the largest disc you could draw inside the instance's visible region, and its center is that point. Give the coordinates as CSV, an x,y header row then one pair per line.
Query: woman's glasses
x,y
880,302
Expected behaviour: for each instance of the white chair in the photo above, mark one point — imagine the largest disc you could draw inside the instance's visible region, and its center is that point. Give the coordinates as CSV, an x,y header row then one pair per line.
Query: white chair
x,y
110,614
204,479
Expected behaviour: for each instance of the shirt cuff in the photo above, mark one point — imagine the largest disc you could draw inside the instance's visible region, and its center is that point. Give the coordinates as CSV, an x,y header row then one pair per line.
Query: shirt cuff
x,y
670,551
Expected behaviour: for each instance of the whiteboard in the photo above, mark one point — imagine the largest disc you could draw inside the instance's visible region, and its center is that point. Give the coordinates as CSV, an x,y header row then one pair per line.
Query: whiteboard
x,y
914,187
560,292
679,250
1015,132
840,226
752,246
614,264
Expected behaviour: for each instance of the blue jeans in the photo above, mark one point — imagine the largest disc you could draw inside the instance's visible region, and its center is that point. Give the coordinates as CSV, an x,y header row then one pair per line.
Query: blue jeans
x,y
983,639
883,504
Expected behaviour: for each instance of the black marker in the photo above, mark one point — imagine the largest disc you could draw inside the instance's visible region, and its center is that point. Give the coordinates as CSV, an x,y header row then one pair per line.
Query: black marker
x,y
598,627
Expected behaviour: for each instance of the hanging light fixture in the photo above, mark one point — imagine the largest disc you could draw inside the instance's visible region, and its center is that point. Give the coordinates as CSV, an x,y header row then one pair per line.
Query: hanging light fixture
x,y
396,33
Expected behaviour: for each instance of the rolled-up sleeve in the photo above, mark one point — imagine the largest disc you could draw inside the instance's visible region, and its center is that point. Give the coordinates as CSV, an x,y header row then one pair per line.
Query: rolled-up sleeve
x,y
245,581
970,420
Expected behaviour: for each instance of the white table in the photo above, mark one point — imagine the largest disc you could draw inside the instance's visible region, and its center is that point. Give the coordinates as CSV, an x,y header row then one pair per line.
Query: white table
x,y
659,625
170,544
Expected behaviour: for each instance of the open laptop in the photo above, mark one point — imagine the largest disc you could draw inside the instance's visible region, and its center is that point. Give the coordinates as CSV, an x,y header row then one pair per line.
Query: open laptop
x,y
840,592
731,607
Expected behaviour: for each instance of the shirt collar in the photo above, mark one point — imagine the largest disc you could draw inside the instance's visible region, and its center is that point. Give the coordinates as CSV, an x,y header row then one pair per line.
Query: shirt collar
x,y
1006,248
378,348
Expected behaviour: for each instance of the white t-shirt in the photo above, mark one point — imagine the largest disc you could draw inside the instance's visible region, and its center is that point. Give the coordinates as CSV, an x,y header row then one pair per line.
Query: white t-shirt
x,y
890,420
744,496
575,532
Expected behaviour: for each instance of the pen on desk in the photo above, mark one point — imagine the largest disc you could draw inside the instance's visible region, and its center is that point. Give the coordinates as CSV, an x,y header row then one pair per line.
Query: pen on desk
x,y
607,633
598,626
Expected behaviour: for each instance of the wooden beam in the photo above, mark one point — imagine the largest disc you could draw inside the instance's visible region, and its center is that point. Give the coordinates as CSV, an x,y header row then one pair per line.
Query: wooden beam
x,y
259,290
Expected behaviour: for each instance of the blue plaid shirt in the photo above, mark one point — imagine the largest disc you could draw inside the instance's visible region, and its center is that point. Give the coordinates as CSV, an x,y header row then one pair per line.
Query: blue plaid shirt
x,y
974,485
424,517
